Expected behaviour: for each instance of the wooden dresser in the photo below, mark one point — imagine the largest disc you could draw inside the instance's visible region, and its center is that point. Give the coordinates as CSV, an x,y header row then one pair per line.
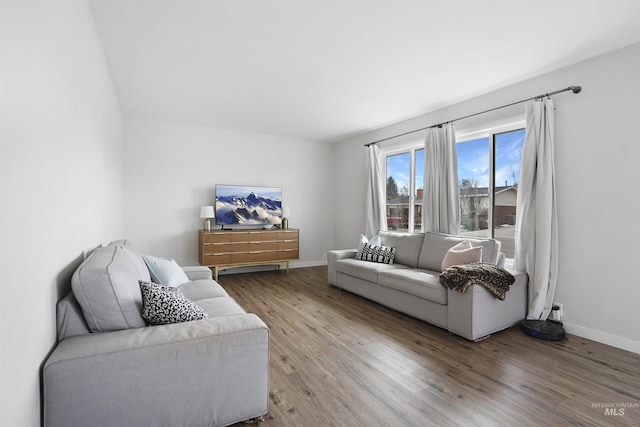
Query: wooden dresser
x,y
223,249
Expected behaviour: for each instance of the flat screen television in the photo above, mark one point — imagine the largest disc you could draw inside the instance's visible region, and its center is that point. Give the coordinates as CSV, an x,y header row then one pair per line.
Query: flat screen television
x,y
248,205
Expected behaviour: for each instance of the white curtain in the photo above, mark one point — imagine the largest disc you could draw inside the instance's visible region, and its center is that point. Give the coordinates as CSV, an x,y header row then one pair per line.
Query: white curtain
x,y
536,218
375,200
440,199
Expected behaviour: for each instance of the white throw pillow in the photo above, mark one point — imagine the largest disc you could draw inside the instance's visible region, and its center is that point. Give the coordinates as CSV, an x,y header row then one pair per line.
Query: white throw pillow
x,y
375,240
462,253
165,271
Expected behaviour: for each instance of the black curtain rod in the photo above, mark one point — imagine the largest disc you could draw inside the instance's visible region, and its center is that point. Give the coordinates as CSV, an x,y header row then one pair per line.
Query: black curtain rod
x,y
574,89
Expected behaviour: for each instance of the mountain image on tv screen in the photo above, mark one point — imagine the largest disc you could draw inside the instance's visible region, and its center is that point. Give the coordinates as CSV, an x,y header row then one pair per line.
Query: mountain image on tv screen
x,y
242,205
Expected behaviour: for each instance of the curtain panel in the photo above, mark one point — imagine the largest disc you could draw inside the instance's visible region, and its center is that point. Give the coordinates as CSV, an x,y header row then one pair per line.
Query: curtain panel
x,y
536,218
375,198
440,199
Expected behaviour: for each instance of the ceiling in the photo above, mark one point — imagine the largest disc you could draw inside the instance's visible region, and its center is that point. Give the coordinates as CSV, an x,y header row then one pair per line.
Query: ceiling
x,y
329,70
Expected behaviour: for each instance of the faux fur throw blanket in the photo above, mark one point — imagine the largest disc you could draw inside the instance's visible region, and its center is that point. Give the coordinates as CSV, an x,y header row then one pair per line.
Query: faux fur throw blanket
x,y
495,279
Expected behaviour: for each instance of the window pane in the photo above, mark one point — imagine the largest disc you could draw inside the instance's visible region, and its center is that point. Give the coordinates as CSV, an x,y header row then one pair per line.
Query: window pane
x,y
419,187
398,179
473,179
508,148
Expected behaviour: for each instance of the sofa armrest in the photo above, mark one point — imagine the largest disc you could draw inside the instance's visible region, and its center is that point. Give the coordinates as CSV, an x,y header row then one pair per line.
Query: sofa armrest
x,y
332,257
207,372
476,313
198,272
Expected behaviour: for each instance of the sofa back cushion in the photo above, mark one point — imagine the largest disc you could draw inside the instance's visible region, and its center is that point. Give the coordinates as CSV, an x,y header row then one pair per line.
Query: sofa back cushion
x,y
106,287
436,246
69,318
407,246
125,243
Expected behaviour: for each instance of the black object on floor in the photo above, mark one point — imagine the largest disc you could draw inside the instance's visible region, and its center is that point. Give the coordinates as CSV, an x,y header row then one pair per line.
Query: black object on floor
x,y
543,329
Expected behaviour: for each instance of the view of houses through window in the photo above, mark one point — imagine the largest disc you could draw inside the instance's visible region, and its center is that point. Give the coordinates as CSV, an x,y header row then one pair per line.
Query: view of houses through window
x,y
405,175
488,174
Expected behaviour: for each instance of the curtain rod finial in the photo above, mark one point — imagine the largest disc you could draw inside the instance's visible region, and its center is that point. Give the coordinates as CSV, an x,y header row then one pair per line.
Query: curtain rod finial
x,y
576,89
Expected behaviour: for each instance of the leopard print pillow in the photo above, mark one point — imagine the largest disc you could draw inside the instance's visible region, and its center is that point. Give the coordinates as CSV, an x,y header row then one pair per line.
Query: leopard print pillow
x,y
162,305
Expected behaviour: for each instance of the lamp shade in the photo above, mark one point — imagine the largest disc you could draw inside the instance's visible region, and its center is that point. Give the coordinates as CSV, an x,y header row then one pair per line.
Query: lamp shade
x,y
286,212
207,212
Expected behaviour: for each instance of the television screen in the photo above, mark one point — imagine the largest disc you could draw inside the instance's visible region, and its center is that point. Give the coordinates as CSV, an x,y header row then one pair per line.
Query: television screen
x,y
248,205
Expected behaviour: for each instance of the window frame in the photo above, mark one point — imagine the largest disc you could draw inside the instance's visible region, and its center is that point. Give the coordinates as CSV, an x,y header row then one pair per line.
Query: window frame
x,y
485,129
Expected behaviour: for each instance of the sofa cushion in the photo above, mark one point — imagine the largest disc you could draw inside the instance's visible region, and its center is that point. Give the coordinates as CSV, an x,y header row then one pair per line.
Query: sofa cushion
x,y
363,269
202,289
106,287
375,253
421,283
407,246
436,245
163,305
462,253
197,272
222,306
165,271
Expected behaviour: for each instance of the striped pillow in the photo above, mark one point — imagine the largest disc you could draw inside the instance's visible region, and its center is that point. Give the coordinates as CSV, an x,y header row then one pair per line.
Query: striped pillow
x,y
375,253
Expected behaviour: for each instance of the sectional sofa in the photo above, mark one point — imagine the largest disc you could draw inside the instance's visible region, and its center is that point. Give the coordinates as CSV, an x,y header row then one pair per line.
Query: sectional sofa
x,y
110,368
411,283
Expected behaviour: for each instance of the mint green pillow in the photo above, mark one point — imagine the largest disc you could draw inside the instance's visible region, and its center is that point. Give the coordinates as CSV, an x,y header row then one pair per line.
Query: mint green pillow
x,y
165,271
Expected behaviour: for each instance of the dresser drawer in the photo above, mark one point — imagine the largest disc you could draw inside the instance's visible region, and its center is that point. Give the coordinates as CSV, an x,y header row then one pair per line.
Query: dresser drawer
x,y
217,259
236,237
288,235
262,236
258,256
288,245
254,246
215,238
289,253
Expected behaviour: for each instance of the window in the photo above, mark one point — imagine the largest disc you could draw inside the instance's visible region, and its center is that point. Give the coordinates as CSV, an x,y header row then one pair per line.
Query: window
x,y
488,174
405,176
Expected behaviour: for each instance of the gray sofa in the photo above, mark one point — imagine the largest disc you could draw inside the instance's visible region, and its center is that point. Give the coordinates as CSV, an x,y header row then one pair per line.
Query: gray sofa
x,y
411,284
110,369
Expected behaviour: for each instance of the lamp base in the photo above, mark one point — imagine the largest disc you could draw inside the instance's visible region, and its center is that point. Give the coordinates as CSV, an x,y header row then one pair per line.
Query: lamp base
x,y
207,224
285,223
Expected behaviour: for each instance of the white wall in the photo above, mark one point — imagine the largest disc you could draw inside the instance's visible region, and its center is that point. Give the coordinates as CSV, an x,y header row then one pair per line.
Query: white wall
x,y
597,159
61,180
172,169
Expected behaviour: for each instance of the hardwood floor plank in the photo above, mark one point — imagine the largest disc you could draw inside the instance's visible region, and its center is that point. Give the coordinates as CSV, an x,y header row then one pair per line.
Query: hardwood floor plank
x,y
341,360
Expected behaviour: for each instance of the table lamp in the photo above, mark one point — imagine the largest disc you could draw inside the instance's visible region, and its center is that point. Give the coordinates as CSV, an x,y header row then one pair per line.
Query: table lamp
x,y
207,213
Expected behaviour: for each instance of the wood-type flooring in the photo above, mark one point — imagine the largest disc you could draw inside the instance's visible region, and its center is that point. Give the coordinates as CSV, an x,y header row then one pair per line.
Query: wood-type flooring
x,y
340,360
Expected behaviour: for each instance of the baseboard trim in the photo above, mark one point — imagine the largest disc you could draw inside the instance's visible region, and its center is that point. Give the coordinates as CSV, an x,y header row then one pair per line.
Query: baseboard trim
x,y
603,337
302,264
